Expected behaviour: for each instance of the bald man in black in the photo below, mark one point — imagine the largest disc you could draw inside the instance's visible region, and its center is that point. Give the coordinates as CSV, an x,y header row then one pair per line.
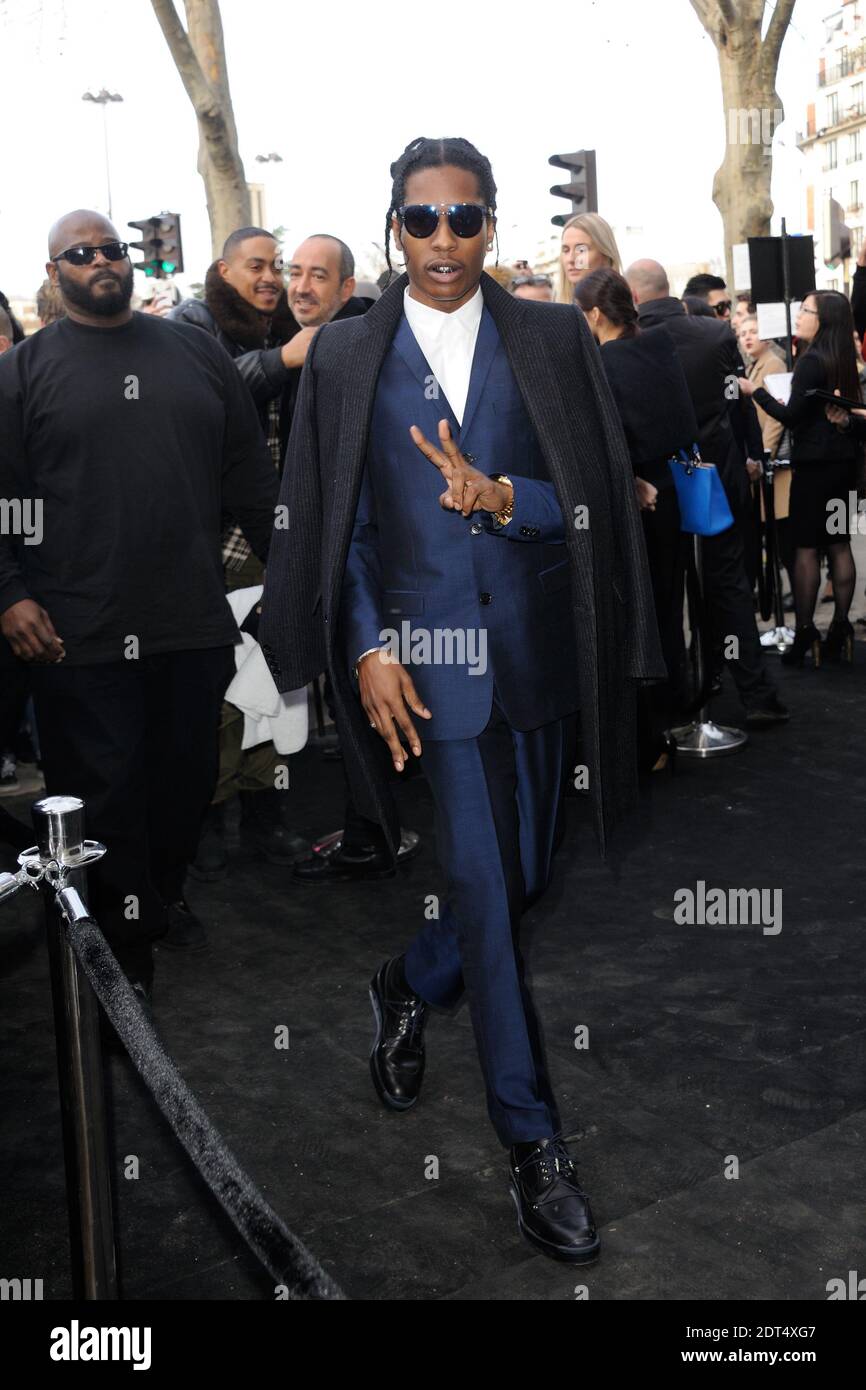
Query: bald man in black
x,y
125,436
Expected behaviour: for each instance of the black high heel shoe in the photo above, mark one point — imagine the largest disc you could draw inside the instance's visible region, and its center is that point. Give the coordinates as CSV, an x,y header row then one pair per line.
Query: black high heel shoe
x,y
839,642
806,638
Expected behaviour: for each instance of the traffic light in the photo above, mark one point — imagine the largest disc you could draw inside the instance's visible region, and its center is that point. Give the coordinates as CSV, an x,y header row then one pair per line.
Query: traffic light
x,y
582,188
161,244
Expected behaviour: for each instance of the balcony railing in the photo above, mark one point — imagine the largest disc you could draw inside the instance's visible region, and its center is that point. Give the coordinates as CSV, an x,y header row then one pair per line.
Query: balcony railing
x,y
854,61
854,116
850,115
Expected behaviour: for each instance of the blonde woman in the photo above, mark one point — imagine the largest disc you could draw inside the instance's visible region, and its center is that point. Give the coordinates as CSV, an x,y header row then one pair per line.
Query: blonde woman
x,y
588,243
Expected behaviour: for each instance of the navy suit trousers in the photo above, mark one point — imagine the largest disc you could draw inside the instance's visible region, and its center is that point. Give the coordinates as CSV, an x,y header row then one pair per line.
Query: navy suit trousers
x,y
497,805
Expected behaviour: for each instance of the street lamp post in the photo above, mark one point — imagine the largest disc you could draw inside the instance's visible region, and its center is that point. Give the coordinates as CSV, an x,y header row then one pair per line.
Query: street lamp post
x,y
102,98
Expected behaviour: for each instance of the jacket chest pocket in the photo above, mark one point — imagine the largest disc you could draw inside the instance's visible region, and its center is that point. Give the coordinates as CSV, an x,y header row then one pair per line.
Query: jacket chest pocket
x,y
397,602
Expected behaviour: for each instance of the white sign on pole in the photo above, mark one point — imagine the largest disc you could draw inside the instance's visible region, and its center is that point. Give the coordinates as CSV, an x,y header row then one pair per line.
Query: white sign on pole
x,y
742,268
771,319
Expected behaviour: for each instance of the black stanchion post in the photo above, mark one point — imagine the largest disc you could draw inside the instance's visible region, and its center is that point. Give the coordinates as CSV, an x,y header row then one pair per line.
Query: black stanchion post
x,y
59,825
703,738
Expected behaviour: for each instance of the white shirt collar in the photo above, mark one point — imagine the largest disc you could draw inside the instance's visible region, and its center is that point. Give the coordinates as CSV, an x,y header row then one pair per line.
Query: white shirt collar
x,y
432,322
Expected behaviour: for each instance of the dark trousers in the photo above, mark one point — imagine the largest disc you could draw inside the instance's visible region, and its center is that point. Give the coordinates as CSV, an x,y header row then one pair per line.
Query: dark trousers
x,y
666,547
137,741
497,804
731,609
14,694
359,833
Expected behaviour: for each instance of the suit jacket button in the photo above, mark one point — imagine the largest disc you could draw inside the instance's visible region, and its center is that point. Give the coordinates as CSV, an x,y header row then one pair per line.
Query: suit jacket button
x,y
485,598
476,528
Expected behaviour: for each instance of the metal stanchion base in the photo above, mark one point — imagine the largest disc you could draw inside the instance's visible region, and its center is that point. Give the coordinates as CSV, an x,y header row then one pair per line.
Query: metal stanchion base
x,y
778,639
704,739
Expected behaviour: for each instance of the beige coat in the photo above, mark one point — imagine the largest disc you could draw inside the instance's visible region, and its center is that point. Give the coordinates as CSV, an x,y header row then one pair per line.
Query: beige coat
x,y
772,430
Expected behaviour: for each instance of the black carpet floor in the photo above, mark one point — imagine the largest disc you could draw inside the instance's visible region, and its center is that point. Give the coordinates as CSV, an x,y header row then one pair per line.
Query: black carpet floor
x,y
711,1050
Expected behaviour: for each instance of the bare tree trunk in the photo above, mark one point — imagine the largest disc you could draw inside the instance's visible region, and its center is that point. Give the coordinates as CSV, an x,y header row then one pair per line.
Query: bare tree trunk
x,y
753,110
199,56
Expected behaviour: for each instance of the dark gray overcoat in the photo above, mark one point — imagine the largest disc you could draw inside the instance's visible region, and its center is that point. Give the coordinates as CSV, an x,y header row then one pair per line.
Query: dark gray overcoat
x,y
557,366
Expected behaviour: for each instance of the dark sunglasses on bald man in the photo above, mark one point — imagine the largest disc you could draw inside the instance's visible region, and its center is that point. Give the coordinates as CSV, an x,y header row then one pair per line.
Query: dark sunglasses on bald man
x,y
422,219
84,255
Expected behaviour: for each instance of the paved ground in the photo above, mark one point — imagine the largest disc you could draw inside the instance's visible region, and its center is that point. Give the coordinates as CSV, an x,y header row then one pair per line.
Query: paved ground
x,y
709,1047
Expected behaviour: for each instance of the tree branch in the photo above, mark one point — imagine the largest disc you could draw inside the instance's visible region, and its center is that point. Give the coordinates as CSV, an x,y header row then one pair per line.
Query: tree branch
x,y
706,13
205,103
776,31
713,12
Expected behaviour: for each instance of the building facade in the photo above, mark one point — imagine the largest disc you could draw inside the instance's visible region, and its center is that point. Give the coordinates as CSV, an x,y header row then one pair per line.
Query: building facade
x,y
834,143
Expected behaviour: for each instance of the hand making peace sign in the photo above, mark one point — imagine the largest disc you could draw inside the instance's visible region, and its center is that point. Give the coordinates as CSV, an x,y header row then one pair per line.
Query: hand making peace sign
x,y
468,490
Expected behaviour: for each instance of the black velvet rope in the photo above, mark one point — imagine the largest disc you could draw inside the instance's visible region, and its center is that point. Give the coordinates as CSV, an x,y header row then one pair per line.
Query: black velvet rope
x,y
283,1255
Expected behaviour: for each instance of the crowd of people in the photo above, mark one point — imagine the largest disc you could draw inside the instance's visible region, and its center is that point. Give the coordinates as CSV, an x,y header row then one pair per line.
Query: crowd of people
x,y
160,447
670,362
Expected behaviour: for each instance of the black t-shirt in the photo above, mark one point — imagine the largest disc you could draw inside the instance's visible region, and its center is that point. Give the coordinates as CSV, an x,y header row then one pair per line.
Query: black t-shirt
x,y
134,440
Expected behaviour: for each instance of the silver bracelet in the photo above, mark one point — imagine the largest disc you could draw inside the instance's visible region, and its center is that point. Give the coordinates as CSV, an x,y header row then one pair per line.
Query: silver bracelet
x,y
368,652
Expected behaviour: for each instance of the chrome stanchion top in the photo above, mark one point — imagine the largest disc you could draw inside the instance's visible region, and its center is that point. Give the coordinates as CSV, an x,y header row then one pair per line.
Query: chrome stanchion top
x,y
59,825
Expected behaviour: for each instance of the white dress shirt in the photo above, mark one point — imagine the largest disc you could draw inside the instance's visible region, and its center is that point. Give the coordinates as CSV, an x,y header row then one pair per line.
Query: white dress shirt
x,y
448,343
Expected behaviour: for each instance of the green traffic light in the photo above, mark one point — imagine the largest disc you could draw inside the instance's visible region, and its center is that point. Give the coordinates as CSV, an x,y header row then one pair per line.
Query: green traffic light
x,y
148,270
168,267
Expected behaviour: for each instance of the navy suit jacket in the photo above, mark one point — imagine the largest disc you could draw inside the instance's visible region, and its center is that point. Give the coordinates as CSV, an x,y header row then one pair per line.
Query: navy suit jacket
x,y
462,602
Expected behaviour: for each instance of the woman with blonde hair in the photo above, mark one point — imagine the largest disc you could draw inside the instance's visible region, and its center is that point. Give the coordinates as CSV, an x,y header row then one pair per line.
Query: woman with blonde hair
x,y
588,243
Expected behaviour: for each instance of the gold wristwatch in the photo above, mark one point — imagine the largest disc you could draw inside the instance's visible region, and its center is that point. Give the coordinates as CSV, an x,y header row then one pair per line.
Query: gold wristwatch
x,y
505,514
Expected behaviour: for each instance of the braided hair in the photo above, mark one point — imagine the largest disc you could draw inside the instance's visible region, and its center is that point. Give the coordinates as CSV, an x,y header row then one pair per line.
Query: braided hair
x,y
433,154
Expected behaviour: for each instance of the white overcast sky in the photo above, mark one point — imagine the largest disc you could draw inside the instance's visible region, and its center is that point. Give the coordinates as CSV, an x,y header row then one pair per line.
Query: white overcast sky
x,y
338,90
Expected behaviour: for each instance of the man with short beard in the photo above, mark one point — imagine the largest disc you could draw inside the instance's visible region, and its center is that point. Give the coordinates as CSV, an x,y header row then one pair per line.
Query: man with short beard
x,y
132,434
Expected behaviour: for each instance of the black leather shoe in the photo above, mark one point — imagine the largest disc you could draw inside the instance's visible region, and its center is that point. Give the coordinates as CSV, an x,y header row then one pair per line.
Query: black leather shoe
x,y
553,1211
211,862
763,716
263,833
330,863
185,931
397,1058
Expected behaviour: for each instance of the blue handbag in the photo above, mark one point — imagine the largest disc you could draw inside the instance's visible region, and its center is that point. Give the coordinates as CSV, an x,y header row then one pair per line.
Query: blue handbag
x,y
704,509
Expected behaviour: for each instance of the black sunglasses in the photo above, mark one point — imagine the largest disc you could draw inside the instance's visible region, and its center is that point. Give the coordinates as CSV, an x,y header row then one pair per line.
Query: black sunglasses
x,y
84,255
522,280
722,307
422,219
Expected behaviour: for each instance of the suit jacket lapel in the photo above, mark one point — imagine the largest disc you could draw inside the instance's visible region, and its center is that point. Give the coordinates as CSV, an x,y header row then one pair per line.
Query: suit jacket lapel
x,y
406,344
486,345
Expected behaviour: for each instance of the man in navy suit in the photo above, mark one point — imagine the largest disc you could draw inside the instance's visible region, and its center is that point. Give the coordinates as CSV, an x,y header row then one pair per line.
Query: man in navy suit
x,y
459,591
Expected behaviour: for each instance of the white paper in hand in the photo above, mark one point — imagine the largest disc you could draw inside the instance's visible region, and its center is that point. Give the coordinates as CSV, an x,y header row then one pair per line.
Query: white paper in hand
x,y
779,385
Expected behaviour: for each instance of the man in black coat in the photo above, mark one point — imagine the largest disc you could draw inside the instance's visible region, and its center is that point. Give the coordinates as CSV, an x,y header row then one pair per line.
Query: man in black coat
x,y
708,353
245,307
369,533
